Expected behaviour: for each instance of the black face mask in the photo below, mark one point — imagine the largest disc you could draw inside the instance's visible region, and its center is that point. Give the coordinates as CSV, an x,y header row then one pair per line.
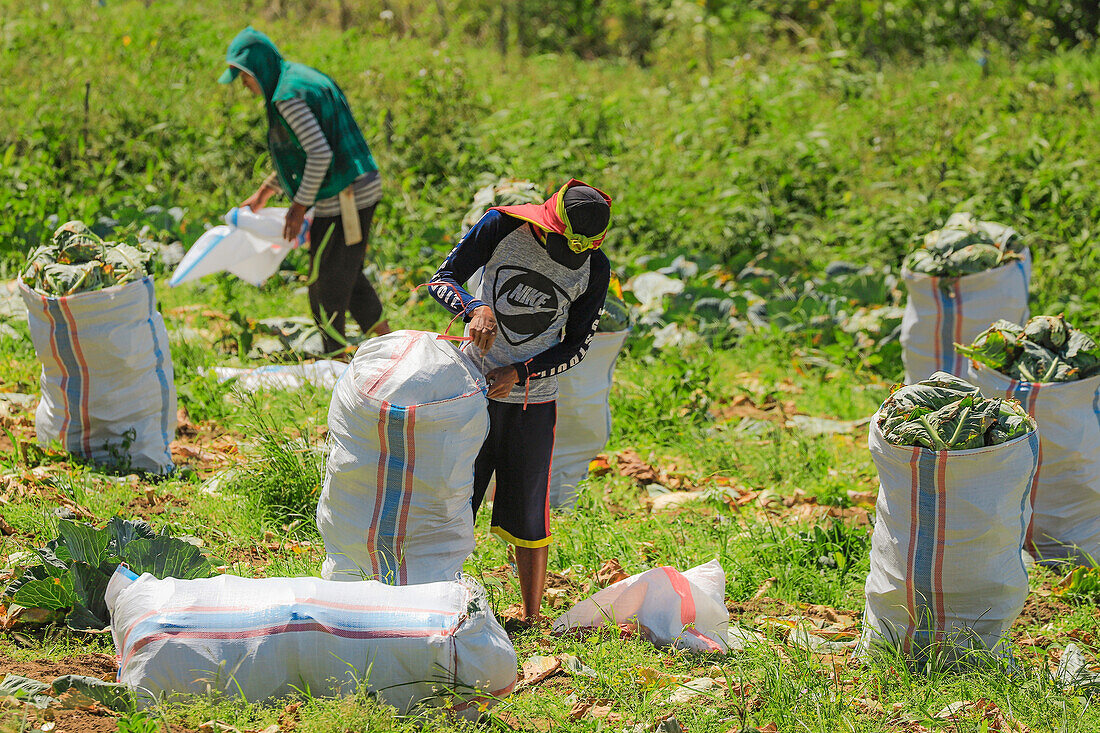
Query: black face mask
x,y
559,251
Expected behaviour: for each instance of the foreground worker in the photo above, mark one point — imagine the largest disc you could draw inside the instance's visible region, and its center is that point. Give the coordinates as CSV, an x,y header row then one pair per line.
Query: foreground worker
x,y
321,160
535,312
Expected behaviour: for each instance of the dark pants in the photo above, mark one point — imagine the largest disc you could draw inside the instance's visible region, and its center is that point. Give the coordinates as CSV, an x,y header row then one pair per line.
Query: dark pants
x,y
518,449
338,285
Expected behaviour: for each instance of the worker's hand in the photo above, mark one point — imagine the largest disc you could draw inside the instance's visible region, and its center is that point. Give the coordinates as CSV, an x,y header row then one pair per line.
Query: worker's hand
x,y
483,328
501,380
294,217
259,199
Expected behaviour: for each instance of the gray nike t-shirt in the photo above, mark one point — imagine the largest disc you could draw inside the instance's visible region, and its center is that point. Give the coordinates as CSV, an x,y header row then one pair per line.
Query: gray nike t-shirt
x,y
530,295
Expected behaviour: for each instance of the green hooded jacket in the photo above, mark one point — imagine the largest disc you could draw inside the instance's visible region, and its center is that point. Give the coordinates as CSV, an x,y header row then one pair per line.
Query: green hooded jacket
x,y
280,79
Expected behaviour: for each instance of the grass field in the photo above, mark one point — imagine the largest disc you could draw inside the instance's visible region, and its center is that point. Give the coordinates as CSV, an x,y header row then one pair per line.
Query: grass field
x,y
796,154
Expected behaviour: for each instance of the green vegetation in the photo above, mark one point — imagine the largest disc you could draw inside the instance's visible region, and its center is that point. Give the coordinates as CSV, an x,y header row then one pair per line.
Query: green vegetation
x,y
944,412
75,568
78,261
965,246
1045,349
762,150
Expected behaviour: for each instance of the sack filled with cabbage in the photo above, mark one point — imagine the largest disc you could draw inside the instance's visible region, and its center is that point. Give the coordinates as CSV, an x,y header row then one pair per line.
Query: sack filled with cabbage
x,y
1046,349
76,260
965,246
945,412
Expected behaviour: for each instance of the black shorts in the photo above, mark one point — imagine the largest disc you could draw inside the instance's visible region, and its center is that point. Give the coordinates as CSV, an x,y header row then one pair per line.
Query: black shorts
x,y
519,450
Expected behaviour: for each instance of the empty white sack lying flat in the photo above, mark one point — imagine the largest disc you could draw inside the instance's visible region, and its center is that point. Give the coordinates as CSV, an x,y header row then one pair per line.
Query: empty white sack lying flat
x,y
946,555
685,610
266,638
407,419
322,374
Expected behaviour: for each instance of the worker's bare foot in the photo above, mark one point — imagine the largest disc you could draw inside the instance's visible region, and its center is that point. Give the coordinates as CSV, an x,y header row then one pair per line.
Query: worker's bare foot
x,y
515,621
381,328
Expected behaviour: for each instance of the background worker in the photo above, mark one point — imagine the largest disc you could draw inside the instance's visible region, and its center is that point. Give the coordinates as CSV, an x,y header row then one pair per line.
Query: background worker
x,y
533,317
321,160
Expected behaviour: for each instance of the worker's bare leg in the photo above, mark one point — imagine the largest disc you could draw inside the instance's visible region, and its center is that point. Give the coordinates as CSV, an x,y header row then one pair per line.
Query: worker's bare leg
x,y
531,565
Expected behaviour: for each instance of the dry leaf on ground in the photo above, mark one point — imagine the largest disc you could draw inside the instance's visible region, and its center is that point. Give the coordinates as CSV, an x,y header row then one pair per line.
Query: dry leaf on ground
x,y
538,668
599,708
631,465
610,572
673,499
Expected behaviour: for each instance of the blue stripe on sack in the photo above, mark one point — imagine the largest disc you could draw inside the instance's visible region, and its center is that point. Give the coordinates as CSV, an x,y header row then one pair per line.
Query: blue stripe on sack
x,y
179,276
1022,393
1096,406
925,555
72,384
947,333
337,618
394,490
161,376
1033,443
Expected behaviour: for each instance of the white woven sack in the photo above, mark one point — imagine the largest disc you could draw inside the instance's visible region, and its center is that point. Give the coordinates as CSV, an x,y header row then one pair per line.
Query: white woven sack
x,y
249,245
267,638
1065,494
322,374
107,381
947,573
684,610
943,311
407,419
584,417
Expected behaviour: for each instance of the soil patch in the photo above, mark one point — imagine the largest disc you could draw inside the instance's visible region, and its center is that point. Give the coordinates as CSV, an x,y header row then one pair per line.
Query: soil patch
x,y
747,611
102,666
143,506
1040,610
65,721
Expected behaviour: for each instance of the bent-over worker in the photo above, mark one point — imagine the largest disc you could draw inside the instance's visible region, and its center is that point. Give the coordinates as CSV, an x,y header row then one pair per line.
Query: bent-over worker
x,y
321,160
533,317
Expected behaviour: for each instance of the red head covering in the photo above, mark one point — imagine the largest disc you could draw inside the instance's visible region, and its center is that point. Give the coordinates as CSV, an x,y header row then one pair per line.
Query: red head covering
x,y
547,215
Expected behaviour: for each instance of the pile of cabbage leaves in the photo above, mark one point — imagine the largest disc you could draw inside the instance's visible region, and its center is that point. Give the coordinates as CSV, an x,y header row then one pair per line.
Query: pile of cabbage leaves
x,y
1047,349
965,246
945,412
76,260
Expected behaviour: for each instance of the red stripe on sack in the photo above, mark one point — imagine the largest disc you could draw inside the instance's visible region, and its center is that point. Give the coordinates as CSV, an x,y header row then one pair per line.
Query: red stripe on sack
x,y
297,601
957,335
64,374
941,541
184,609
681,587
711,646
936,295
394,361
287,628
379,496
85,388
910,563
407,491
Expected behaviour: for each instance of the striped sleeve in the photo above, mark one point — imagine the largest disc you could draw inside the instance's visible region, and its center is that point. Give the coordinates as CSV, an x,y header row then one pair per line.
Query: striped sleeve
x,y
312,139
